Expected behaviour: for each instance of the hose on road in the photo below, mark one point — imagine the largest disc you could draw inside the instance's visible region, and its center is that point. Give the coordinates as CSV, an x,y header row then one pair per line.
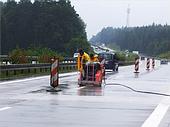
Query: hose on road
x,y
138,91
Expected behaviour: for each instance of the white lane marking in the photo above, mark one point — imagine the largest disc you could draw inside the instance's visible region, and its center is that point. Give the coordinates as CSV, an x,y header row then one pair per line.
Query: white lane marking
x,y
35,78
158,114
23,80
80,87
4,108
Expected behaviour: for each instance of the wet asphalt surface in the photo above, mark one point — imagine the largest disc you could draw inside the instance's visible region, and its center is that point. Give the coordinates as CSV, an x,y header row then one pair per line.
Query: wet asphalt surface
x,y
32,102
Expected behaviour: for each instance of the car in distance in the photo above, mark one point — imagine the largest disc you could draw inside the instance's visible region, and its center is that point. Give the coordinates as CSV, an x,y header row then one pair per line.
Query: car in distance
x,y
164,61
75,55
142,58
111,61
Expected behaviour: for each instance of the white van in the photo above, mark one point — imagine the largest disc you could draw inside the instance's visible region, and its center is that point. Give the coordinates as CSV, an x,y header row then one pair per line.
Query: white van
x,y
75,55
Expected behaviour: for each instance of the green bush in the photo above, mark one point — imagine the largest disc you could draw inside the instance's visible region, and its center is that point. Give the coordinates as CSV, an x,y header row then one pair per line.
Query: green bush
x,y
131,57
43,55
18,56
165,55
121,56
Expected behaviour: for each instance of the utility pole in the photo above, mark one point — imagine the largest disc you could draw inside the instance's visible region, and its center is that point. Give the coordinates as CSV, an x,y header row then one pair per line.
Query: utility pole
x,y
127,18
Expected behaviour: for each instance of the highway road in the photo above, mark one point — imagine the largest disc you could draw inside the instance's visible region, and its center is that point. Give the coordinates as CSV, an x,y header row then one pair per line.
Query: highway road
x,y
32,103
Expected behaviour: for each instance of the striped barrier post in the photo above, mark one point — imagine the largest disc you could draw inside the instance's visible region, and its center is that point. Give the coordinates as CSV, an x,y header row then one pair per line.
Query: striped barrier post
x,y
54,73
148,64
136,65
153,63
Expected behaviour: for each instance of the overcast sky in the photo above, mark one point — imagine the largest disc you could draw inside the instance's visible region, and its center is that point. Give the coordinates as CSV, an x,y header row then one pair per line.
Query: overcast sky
x,y
102,13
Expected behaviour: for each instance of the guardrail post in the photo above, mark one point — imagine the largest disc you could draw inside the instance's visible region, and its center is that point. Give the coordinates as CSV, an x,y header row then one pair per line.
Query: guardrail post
x,y
40,69
14,72
45,69
35,70
22,71
7,73
29,70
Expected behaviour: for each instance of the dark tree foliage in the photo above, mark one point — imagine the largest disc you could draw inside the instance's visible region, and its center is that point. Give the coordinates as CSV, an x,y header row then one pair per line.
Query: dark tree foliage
x,y
43,23
152,40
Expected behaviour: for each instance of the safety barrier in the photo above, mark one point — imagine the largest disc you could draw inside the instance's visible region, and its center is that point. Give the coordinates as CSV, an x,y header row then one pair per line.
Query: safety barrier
x,y
5,60
17,70
136,65
54,78
148,64
153,63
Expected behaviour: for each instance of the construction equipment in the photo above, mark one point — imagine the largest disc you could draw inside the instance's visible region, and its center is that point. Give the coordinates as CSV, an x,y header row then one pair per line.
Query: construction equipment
x,y
92,74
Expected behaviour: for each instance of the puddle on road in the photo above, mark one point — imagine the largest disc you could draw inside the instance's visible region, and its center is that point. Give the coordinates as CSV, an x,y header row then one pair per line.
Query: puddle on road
x,y
70,89
90,91
50,89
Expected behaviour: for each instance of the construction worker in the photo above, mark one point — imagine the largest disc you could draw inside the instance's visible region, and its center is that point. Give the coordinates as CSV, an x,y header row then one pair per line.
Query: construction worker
x,y
94,58
82,59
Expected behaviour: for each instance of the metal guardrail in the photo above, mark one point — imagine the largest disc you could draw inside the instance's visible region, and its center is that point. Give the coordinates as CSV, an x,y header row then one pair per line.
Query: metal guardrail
x,y
14,69
22,66
68,64
5,59
31,66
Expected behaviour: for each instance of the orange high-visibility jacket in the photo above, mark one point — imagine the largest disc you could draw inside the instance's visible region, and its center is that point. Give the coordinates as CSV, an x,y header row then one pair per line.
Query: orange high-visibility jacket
x,y
82,60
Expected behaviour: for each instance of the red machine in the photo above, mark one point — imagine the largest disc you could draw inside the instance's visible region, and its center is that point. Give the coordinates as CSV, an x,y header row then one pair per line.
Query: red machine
x,y
92,74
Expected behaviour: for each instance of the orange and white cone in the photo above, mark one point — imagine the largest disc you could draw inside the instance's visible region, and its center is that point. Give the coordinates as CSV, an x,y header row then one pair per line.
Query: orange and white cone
x,y
54,79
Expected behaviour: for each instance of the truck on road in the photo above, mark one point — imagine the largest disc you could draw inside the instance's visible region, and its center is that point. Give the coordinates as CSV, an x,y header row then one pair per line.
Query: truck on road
x,y
111,61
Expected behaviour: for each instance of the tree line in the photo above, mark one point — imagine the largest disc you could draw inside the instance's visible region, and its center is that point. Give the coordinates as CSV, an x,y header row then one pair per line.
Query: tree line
x,y
152,40
42,23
